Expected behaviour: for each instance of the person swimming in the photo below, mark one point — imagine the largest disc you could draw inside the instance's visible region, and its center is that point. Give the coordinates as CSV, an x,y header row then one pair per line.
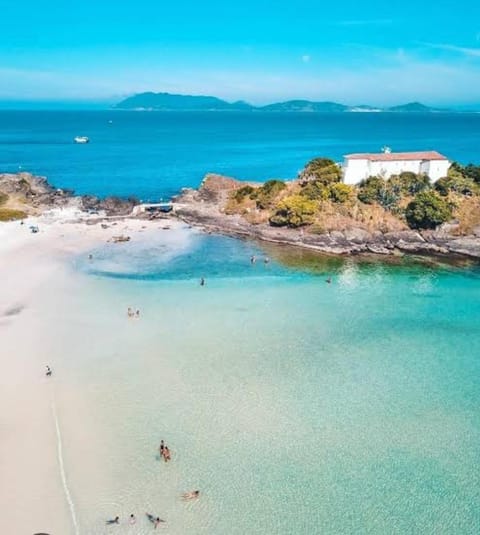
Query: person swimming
x,y
115,520
329,280
155,520
191,495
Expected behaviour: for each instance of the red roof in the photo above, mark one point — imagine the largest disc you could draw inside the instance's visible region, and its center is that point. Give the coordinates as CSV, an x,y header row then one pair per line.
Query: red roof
x,y
396,156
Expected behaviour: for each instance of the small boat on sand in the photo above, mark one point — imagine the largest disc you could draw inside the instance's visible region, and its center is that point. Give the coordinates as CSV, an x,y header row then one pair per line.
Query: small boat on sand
x,y
81,139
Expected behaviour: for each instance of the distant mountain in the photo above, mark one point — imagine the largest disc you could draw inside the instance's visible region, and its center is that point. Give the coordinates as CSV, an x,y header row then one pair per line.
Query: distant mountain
x,y
170,102
305,105
413,107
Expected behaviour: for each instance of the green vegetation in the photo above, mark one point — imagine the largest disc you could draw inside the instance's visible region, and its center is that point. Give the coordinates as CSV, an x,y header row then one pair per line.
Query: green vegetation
x,y
470,171
244,192
340,193
294,211
7,214
388,193
408,183
316,199
427,211
458,184
265,195
376,189
323,170
315,190
473,172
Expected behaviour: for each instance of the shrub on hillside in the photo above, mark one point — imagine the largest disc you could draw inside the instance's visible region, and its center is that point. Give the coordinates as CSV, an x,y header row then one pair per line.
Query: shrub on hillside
x,y
473,172
294,211
323,170
458,184
315,190
245,191
427,211
376,189
265,195
470,171
408,183
340,192
369,190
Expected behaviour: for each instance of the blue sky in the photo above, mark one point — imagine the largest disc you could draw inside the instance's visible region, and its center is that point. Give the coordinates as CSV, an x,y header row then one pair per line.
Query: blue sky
x,y
353,52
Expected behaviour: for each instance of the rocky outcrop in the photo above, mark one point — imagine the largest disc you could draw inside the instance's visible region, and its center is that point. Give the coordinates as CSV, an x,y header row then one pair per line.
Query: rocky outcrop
x,y
36,195
204,208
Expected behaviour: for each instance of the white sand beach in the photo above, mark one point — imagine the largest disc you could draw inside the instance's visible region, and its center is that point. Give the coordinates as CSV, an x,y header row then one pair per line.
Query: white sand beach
x,y
35,279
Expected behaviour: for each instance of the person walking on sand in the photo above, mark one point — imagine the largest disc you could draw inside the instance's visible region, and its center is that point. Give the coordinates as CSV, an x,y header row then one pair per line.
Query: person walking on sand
x,y
137,313
48,373
115,520
166,454
132,520
161,448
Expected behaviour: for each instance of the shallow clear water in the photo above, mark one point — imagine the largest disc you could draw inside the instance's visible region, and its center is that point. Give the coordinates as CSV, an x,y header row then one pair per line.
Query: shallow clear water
x,y
294,405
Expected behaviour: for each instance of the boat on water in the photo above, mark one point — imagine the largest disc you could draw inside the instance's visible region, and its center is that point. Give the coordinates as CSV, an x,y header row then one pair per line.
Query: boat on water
x,y
81,139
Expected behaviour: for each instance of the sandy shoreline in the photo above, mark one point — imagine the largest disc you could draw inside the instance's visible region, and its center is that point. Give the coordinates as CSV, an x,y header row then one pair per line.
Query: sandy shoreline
x,y
34,269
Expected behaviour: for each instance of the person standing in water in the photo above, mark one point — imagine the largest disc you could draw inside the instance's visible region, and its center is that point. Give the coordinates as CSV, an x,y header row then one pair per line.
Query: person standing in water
x,y
253,259
202,282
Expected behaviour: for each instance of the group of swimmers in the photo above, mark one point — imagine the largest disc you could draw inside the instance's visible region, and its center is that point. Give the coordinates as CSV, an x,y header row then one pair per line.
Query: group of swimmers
x,y
155,520
253,260
133,314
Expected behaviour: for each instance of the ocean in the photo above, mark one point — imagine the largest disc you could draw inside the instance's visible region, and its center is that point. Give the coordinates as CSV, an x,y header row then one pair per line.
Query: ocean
x,y
152,155
294,405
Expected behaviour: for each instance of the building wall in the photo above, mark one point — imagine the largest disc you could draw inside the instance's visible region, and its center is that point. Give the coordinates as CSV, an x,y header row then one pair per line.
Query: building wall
x,y
355,170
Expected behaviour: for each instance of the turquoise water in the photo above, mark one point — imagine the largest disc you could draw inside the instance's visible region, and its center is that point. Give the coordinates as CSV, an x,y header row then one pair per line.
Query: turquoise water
x,y
294,405
153,155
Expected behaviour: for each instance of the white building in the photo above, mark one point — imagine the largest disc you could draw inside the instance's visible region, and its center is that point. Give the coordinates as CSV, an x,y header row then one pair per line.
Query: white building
x,y
357,167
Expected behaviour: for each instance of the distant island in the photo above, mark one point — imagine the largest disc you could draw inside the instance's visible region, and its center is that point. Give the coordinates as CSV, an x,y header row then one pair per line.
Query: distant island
x,y
171,102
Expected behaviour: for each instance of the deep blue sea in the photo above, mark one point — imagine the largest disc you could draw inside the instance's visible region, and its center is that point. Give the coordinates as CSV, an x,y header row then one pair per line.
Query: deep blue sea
x,y
152,155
